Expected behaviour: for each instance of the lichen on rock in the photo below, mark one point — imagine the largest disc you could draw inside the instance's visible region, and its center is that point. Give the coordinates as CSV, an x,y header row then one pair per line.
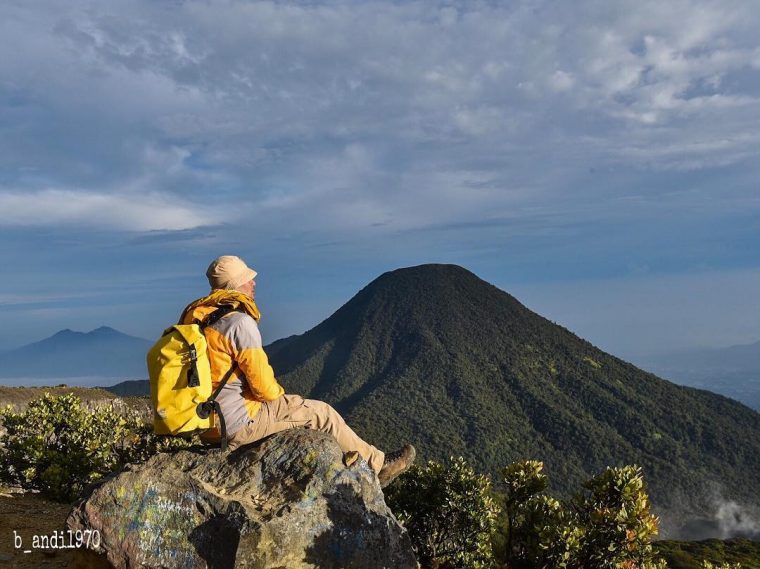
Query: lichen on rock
x,y
285,502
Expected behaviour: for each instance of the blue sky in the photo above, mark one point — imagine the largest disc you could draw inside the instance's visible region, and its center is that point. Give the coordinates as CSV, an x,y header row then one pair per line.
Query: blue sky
x,y
598,160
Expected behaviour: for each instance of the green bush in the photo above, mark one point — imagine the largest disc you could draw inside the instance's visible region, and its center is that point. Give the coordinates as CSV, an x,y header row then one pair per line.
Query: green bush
x,y
58,447
539,530
617,522
608,526
449,513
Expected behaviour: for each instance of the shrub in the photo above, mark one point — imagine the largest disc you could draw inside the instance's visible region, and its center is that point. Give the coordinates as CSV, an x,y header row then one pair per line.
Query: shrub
x,y
618,524
448,512
58,447
609,526
540,531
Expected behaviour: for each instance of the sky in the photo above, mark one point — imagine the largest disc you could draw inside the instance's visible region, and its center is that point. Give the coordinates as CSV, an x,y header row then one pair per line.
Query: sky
x,y
598,160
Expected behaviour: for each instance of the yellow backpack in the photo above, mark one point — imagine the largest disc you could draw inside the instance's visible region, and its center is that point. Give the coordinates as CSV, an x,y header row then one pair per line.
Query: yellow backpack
x,y
180,380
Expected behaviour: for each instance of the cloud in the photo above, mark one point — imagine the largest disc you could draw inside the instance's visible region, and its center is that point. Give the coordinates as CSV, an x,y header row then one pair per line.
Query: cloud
x,y
12,300
735,521
148,212
587,138
248,91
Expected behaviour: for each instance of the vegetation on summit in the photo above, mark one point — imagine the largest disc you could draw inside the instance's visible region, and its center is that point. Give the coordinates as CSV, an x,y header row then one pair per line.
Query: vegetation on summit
x,y
449,513
57,446
456,519
692,554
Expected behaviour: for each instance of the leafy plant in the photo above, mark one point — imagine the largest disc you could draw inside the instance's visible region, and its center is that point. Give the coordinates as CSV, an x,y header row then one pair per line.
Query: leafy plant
x,y
609,526
57,446
449,513
616,519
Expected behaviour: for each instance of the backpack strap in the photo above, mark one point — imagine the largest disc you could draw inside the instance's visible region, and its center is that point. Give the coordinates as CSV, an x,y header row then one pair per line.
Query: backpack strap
x,y
193,379
215,316
211,404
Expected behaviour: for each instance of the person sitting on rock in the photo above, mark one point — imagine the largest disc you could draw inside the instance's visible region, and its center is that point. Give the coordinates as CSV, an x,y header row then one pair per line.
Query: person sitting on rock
x,y
253,403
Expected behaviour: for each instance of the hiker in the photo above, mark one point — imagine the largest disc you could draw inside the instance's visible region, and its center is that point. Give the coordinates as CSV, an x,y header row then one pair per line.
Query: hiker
x,y
253,404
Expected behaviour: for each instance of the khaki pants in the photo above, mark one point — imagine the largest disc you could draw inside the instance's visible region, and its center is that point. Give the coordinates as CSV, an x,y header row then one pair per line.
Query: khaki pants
x,y
289,411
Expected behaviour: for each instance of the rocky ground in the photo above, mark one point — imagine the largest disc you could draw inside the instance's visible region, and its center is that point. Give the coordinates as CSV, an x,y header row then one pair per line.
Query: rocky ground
x,y
293,500
30,515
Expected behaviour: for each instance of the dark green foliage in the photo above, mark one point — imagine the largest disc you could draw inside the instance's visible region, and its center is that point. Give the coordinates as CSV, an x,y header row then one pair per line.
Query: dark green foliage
x,y
454,523
609,526
691,554
538,531
617,525
435,356
57,446
448,512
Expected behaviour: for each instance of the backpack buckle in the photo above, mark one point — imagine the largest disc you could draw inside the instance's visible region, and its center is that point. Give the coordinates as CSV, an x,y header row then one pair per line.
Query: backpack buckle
x,y
193,378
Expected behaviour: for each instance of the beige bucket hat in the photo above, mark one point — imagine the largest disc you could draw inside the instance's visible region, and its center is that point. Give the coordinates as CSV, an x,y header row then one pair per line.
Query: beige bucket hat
x,y
229,271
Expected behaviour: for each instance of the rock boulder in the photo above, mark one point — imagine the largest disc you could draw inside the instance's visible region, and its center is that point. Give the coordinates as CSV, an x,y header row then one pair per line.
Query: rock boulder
x,y
285,502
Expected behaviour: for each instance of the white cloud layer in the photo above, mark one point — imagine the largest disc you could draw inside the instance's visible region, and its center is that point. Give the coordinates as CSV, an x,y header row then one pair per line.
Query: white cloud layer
x,y
147,212
356,107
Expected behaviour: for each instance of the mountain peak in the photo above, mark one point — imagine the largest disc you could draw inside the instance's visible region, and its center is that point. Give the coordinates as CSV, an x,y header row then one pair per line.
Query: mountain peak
x,y
102,352
64,333
432,268
432,272
105,331
437,297
100,332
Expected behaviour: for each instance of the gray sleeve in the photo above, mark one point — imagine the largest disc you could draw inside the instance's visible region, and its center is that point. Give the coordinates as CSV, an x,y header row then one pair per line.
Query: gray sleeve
x,y
242,331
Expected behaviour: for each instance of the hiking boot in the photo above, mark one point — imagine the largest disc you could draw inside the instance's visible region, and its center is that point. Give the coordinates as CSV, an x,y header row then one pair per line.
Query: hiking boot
x,y
350,458
396,463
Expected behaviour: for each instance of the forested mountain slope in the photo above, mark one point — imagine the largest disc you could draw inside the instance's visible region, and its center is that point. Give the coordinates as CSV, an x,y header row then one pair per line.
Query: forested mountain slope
x,y
434,355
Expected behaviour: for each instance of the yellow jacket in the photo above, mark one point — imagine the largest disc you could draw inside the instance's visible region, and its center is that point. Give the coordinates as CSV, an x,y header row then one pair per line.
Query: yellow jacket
x,y
235,338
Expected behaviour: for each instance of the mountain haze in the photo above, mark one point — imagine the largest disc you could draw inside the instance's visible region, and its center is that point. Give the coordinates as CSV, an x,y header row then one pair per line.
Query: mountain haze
x,y
100,353
436,356
733,371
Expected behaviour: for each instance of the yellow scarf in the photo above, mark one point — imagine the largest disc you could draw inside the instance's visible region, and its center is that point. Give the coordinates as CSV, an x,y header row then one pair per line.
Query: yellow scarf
x,y
221,297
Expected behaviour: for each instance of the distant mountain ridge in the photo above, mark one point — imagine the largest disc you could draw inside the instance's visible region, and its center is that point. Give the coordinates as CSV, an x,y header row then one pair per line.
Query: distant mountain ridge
x,y
740,357
434,355
733,371
100,353
129,388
